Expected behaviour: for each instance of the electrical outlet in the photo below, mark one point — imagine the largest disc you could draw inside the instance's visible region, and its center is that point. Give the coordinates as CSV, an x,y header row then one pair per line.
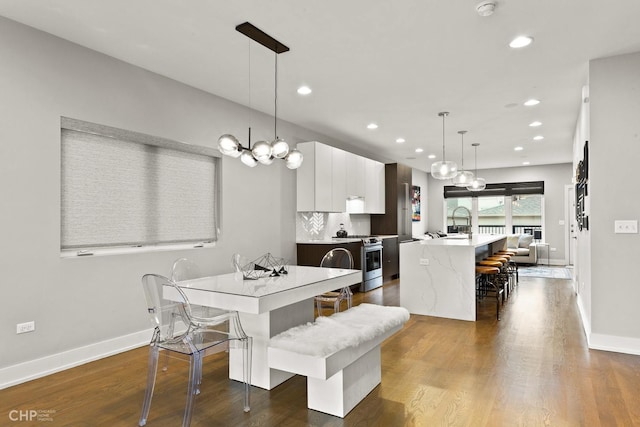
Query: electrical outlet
x,y
424,261
626,226
21,328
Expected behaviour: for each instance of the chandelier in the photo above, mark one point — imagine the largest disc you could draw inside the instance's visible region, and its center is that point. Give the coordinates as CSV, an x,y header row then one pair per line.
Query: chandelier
x,y
264,152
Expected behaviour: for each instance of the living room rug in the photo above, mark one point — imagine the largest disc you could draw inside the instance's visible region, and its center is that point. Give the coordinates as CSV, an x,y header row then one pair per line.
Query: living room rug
x,y
546,272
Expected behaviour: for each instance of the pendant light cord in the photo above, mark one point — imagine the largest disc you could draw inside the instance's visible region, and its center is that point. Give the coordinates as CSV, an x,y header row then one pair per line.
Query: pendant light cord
x,y
275,98
443,116
462,152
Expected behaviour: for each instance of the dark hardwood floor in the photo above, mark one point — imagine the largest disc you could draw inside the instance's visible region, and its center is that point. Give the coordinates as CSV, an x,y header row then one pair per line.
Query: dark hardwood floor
x,y
532,368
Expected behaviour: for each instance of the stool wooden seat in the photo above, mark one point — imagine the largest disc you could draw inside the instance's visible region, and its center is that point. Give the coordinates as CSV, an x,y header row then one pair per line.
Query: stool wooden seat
x,y
506,253
490,263
489,277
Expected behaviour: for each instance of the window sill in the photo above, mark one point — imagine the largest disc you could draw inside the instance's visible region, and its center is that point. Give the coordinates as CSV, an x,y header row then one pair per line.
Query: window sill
x,y
75,253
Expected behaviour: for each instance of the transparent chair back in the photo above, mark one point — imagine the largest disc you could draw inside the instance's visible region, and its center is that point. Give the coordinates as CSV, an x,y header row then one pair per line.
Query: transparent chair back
x,y
335,258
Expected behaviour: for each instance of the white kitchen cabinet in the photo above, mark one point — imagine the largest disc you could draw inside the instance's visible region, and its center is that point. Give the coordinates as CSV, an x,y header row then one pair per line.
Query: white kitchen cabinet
x,y
338,180
330,176
374,187
315,183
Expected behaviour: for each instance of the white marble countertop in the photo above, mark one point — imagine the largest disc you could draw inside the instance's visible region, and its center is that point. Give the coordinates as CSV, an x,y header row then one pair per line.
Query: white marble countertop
x,y
461,241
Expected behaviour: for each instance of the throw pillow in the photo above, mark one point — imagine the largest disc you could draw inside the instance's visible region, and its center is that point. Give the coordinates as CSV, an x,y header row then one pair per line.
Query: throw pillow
x,y
525,240
512,240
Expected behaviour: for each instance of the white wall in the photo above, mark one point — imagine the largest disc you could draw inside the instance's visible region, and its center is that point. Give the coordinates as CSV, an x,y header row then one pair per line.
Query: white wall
x,y
555,178
614,89
81,302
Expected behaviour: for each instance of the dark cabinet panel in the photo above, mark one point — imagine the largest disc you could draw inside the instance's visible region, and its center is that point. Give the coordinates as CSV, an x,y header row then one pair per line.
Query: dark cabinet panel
x,y
390,255
397,217
311,254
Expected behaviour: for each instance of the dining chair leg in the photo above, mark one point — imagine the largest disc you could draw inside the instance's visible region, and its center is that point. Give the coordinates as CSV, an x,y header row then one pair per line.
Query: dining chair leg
x,y
195,366
151,382
247,348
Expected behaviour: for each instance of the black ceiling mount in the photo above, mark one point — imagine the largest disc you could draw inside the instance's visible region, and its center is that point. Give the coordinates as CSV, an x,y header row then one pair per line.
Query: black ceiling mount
x,y
256,34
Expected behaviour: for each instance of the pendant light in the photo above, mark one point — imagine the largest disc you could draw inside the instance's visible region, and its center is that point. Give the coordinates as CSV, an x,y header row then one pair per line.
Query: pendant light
x,y
443,169
263,152
463,178
478,184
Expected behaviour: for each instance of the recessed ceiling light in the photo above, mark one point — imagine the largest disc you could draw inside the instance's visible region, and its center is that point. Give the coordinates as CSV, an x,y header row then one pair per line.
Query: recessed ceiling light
x,y
538,138
521,41
526,163
419,150
535,124
531,102
400,140
372,126
518,148
304,90
432,156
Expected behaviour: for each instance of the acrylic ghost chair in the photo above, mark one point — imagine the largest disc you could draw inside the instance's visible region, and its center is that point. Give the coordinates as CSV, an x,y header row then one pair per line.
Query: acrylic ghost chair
x,y
335,258
170,310
186,269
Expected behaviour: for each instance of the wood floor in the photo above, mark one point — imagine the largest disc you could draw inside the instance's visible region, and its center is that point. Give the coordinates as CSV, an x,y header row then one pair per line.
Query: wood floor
x,y
532,368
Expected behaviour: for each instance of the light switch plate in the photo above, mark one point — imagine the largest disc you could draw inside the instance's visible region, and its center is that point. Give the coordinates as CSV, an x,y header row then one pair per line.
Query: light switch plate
x,y
625,226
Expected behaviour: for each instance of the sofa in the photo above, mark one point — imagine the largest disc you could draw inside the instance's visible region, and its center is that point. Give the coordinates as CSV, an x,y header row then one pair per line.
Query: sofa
x,y
524,247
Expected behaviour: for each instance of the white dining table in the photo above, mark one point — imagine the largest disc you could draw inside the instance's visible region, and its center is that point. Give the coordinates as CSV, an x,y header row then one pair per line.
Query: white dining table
x,y
267,306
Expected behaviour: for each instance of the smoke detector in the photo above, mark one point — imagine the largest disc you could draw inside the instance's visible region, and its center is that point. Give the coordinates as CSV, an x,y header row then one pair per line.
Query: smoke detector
x,y
486,8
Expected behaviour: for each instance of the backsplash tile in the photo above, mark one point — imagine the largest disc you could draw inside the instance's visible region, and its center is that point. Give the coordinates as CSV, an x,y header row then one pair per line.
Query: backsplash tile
x,y
323,225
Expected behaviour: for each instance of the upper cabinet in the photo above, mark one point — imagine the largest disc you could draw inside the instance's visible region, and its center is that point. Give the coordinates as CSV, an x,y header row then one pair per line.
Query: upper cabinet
x,y
334,180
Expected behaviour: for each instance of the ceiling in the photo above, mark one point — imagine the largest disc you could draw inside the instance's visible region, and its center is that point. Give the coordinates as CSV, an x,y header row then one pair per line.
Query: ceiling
x,y
396,64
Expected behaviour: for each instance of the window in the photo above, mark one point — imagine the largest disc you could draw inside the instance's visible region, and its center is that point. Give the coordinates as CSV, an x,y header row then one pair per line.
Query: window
x,y
492,216
122,189
506,208
526,213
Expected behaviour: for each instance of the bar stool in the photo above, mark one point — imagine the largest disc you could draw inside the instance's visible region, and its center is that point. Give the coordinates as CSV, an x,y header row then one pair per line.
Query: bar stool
x,y
489,278
513,266
503,276
508,268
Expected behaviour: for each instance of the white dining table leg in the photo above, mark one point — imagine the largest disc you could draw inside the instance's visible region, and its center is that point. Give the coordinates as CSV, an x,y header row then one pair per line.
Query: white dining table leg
x,y
262,327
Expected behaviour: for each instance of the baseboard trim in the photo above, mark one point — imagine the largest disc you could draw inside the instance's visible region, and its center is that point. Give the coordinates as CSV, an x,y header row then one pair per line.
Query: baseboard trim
x,y
614,343
586,325
32,369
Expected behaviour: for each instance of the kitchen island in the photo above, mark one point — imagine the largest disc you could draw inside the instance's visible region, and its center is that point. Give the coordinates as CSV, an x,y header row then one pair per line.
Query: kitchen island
x,y
438,275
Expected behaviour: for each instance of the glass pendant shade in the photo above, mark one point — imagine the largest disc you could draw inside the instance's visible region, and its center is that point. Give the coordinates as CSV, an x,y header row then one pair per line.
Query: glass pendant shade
x,y
444,170
293,159
247,158
463,178
267,160
478,184
229,145
280,149
261,151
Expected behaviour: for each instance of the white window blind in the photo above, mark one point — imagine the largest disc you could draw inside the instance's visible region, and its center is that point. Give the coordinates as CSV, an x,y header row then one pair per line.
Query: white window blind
x,y
122,188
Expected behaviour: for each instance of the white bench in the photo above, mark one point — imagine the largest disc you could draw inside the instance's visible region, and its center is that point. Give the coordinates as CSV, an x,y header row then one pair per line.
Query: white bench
x,y
339,355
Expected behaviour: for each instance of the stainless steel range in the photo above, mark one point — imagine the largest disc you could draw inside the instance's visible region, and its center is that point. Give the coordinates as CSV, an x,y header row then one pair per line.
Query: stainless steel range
x,y
371,262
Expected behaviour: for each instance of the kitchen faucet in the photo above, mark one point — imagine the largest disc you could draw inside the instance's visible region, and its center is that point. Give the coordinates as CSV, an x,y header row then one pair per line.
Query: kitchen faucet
x,y
468,217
